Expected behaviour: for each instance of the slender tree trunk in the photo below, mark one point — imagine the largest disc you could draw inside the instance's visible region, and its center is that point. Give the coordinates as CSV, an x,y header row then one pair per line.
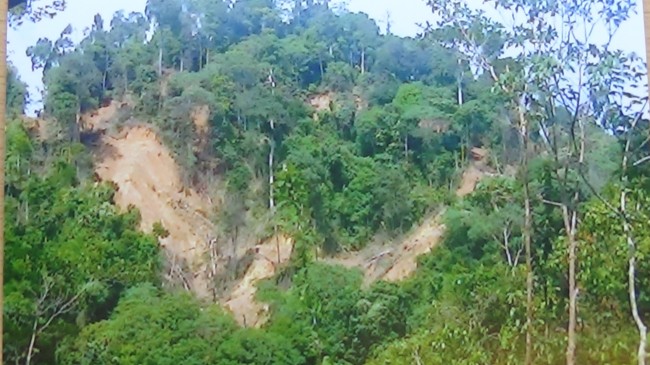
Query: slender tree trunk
x,y
32,342
363,61
271,177
76,127
646,27
200,58
631,269
460,84
571,330
571,225
160,57
277,242
3,112
527,233
406,148
320,64
272,150
506,245
104,82
631,277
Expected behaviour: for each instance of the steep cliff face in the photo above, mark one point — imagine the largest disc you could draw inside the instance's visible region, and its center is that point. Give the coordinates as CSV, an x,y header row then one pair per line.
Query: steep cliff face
x,y
148,177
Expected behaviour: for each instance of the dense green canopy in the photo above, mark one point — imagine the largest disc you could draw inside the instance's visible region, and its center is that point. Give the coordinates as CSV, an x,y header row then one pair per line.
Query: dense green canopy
x,y
328,128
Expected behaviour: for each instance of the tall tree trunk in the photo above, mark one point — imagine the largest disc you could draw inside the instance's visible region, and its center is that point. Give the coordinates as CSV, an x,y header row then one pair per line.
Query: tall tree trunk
x,y
106,59
271,176
363,61
571,226
527,233
320,64
76,126
631,243
569,219
643,336
646,27
160,58
277,242
631,286
104,82
200,58
460,84
406,147
32,343
3,112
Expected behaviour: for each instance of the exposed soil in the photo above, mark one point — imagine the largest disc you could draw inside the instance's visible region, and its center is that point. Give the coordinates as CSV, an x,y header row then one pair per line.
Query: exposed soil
x,y
269,256
148,178
398,260
322,101
395,262
470,178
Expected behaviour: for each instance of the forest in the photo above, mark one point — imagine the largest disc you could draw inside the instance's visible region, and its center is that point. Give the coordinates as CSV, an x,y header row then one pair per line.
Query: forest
x,y
320,125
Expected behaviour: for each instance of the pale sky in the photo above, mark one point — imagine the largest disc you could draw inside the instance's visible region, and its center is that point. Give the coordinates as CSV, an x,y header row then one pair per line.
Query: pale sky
x,y
404,15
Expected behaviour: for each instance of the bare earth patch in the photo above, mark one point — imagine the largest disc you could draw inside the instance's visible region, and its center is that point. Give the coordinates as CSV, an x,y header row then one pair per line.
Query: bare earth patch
x,y
269,256
396,261
321,102
148,178
471,177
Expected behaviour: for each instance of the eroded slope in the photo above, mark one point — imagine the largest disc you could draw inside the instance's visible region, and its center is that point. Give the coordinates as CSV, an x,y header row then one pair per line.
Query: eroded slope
x,y
398,260
147,177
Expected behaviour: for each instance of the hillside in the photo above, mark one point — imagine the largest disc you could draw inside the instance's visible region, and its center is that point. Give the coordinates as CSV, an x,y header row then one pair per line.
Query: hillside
x,y
397,260
288,182
147,177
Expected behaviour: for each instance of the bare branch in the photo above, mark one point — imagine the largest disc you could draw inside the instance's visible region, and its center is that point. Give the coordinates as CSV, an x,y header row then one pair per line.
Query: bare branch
x,y
639,162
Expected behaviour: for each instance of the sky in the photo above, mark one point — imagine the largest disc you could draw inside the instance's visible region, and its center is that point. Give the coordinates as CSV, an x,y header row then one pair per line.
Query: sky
x,y
404,17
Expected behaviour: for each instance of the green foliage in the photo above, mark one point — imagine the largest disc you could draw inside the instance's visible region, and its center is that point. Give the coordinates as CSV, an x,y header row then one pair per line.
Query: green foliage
x,y
339,77
69,251
401,115
150,326
159,231
326,315
256,347
16,92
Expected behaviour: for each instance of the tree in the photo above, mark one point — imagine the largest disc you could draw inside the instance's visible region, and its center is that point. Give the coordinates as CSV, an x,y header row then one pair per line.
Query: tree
x,y
541,87
16,92
70,252
72,88
18,10
42,55
184,331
